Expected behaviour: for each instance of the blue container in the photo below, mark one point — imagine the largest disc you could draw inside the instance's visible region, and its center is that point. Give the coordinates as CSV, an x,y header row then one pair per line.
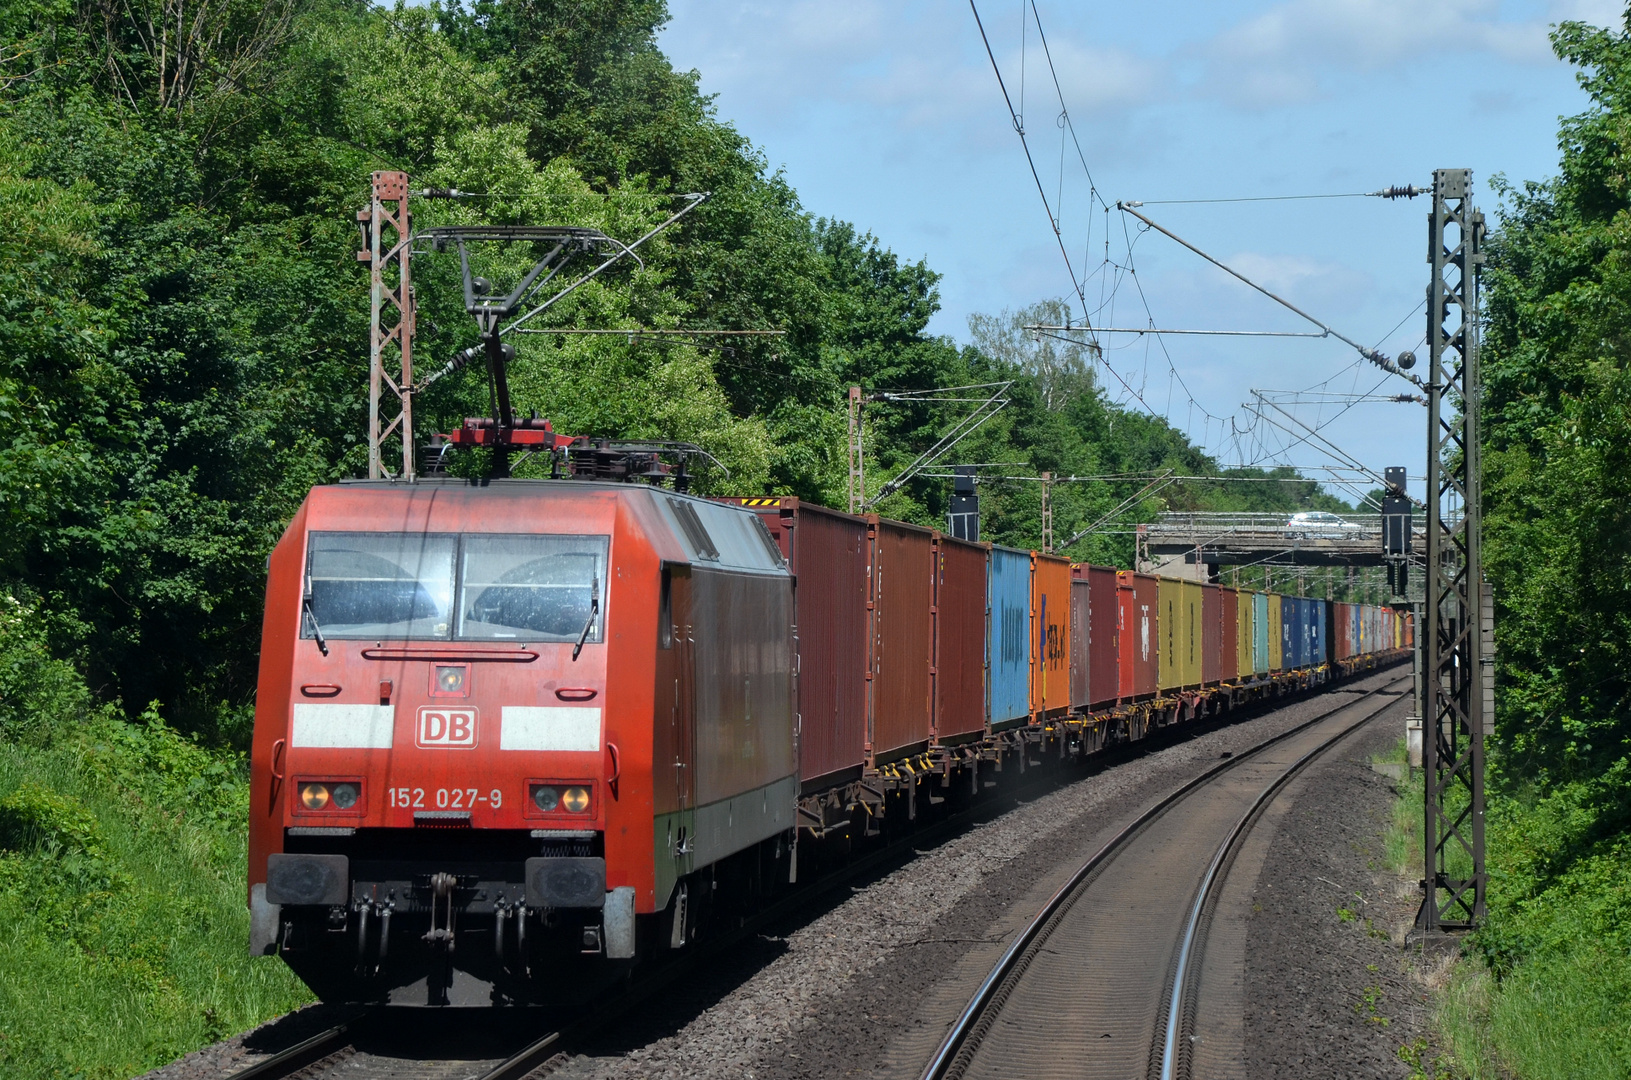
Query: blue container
x,y
1288,632
1305,633
1318,647
1290,620
1007,637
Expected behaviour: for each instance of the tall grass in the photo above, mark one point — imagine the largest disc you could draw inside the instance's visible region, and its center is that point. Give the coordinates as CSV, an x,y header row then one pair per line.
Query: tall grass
x,y
1543,991
123,930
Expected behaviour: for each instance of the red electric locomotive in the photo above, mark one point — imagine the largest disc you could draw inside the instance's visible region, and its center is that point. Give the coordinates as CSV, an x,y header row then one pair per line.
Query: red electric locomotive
x,y
499,724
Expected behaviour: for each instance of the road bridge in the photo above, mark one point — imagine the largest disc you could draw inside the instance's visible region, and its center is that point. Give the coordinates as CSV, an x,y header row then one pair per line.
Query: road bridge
x,y
1202,541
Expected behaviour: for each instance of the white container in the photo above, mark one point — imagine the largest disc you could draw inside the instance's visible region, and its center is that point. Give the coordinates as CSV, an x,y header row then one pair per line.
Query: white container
x,y
1412,740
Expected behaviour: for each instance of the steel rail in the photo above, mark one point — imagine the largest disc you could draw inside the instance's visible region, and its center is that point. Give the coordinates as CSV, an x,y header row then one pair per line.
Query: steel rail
x,y
298,1056
526,1059
946,1055
1192,930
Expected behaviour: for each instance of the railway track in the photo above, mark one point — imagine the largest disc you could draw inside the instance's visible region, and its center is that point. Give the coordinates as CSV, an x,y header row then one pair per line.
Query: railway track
x,y
1110,978
386,1047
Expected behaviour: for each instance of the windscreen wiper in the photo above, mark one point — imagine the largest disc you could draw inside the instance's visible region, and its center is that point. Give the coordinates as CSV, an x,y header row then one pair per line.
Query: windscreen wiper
x,y
316,631
594,612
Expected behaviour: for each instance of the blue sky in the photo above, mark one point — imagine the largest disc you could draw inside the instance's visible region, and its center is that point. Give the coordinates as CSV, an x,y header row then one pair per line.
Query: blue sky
x,y
886,113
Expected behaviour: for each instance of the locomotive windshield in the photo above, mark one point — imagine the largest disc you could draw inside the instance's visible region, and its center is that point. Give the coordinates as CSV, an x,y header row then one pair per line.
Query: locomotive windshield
x,y
537,588
436,586
381,585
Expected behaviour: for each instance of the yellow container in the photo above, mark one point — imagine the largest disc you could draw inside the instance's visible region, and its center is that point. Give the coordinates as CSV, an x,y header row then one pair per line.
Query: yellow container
x,y
1170,633
1189,660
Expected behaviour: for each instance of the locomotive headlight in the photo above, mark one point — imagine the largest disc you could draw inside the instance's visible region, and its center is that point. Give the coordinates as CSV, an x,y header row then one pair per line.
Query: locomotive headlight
x,y
316,796
576,799
344,795
545,797
450,680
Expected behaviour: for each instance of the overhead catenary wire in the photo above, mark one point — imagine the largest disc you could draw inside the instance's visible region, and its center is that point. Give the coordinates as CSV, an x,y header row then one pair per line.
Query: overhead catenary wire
x,y
1154,487
1113,275
1368,353
1408,191
1019,129
1145,476
1310,433
1334,450
518,196
1165,330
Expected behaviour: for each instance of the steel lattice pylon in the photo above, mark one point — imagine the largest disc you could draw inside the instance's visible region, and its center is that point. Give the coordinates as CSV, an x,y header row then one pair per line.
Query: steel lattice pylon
x,y
387,230
1455,658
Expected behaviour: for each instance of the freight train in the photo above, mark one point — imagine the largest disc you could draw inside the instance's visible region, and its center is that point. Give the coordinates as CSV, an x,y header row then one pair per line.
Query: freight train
x,y
508,729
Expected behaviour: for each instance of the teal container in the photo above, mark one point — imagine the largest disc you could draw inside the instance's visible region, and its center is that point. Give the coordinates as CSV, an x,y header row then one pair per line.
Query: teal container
x,y
1260,632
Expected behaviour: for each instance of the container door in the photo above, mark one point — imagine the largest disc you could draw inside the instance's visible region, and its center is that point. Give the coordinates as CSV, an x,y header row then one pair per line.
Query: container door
x,y
1243,641
1008,636
1080,641
959,694
1126,621
1169,659
1104,632
902,639
1149,634
1276,630
829,559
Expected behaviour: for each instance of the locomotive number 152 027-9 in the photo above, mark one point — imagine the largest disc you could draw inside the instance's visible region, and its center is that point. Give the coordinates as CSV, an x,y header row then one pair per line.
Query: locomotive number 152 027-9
x,y
444,798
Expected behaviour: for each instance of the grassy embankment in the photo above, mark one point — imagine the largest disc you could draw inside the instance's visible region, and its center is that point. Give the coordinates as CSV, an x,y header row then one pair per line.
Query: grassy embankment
x,y
122,923
1543,992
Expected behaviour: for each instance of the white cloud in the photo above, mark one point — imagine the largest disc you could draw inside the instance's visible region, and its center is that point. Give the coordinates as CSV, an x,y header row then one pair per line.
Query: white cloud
x,y
1327,290
914,65
1297,275
1289,53
1610,13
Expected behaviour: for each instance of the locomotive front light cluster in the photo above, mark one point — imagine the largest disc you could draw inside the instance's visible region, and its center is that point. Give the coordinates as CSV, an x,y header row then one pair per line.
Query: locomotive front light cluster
x,y
329,795
550,798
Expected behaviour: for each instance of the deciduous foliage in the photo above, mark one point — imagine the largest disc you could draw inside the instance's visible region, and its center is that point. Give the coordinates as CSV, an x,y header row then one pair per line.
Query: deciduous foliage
x,y
1557,460
182,318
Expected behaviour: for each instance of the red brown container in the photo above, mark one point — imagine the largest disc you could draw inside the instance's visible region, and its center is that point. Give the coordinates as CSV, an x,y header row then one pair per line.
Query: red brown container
x,y
1211,634
827,553
1229,661
1138,633
959,639
1094,615
1050,635
1081,607
1104,622
901,639
1342,642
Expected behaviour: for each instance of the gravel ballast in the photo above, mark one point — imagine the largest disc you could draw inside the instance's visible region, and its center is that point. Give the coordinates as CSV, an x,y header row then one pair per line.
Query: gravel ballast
x,y
1329,990
869,986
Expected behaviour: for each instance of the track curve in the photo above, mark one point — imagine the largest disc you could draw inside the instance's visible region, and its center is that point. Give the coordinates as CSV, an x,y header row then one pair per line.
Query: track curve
x,y
1086,989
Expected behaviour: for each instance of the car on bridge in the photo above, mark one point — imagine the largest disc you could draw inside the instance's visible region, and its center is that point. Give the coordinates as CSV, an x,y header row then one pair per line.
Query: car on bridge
x,y
1320,525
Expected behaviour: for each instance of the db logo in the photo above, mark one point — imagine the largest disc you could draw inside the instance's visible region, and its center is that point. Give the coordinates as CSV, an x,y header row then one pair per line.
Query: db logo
x,y
442,728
